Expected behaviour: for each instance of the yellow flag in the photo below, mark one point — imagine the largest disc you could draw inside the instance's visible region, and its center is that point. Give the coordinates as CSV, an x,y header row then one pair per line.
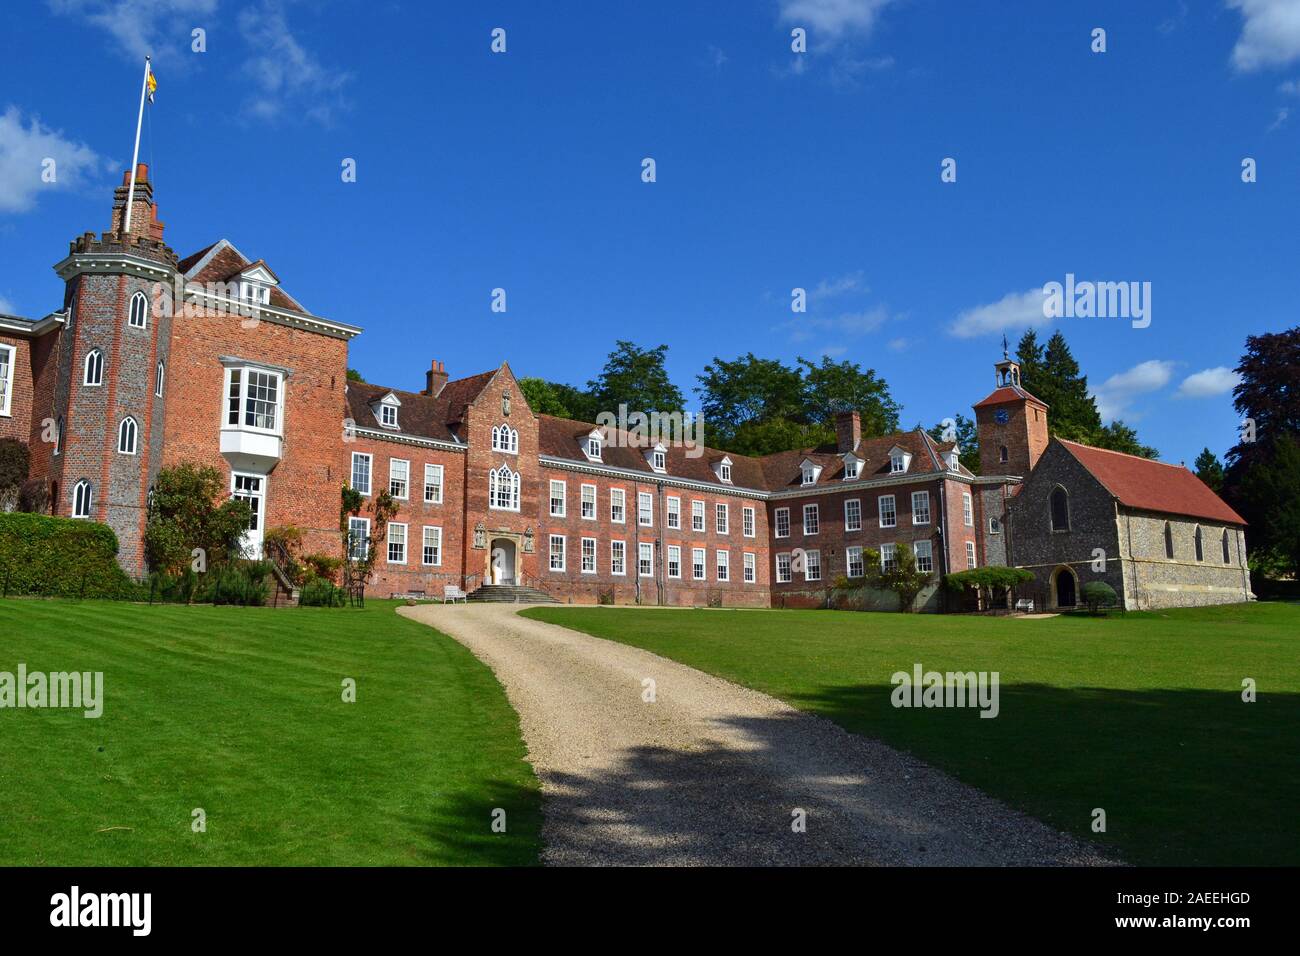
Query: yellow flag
x,y
151,83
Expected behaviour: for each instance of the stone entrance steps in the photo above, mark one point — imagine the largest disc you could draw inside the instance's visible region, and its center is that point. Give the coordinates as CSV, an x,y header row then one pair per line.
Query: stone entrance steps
x,y
510,594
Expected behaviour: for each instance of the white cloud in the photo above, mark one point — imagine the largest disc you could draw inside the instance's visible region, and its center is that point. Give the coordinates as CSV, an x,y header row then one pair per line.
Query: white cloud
x,y
139,27
24,149
1281,118
829,288
898,345
288,77
7,307
1210,381
1118,392
802,327
1270,35
1015,310
829,20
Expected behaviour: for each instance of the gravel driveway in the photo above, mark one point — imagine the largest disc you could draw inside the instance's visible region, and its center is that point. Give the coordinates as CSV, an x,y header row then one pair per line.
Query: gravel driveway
x,y
713,773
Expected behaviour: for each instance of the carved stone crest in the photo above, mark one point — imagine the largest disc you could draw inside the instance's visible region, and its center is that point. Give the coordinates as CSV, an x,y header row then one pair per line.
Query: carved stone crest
x,y
480,536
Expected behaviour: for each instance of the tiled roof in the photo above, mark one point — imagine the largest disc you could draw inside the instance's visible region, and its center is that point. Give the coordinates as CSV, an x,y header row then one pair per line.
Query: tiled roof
x,y
1008,393
227,263
420,416
782,469
563,438
1152,485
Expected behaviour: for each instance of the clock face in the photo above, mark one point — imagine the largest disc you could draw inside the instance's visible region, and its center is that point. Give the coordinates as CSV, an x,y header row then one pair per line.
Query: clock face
x,y
1001,416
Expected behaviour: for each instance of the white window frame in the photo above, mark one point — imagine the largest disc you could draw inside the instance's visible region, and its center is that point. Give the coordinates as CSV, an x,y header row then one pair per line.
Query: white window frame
x,y
784,574
562,499
809,475
241,410
8,360
781,518
385,409
94,359
748,522
433,478
593,448
83,499
645,559
724,472
721,517
551,553
722,564
405,481
659,460
138,309
370,473
750,573
814,512
852,557
511,492
971,560
675,561
893,511
505,439
967,510
924,497
645,509
699,564
618,505
587,503
584,565
888,555
673,514
852,523
850,469
618,557
390,543
697,516
897,464
128,428
928,555
354,522
160,378
812,565
436,547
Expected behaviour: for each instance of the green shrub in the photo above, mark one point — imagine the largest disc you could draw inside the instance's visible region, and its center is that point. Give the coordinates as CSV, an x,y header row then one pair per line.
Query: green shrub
x,y
1097,593
321,593
319,565
243,584
62,557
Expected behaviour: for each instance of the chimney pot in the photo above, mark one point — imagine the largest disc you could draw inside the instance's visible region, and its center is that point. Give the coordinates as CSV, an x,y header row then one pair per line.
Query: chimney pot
x,y
848,431
435,379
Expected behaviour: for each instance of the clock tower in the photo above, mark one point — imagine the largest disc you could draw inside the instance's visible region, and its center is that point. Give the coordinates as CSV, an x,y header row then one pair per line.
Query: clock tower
x,y
1011,425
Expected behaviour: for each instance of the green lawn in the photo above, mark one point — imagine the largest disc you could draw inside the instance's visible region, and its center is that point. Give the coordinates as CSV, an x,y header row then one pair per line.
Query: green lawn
x,y
239,711
1139,715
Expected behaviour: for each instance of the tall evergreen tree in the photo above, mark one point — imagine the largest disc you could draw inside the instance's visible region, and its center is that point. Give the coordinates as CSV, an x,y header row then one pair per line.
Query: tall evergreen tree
x,y
1209,470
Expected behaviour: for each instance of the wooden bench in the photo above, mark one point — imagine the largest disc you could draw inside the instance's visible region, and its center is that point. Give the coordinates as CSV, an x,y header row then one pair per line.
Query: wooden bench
x,y
453,593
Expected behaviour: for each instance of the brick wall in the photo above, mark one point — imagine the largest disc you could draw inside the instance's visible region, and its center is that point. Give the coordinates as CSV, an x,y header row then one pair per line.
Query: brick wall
x,y
18,422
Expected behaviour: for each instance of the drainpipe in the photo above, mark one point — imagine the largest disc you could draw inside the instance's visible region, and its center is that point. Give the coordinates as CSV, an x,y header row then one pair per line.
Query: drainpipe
x,y
659,548
943,531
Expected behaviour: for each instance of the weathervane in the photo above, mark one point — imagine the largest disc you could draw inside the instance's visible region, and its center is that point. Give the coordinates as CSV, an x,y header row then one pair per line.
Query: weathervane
x,y
1005,356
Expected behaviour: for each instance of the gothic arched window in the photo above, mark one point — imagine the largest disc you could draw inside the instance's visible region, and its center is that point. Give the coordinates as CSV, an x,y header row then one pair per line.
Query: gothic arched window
x,y
139,311
1060,503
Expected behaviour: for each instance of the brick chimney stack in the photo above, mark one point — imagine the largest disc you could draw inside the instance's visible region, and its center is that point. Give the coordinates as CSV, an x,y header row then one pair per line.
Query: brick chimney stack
x,y
144,214
848,431
435,379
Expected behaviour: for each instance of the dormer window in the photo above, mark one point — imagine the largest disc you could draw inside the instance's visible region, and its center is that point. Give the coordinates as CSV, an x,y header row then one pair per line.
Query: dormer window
x,y
659,459
723,470
254,292
953,457
593,446
255,283
810,471
851,466
388,416
899,459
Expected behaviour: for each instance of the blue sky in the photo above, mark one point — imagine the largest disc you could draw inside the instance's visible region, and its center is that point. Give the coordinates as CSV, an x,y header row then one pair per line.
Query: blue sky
x,y
522,170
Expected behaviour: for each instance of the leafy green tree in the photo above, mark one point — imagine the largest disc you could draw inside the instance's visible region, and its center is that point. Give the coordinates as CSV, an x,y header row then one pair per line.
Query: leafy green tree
x,y
1119,437
988,578
544,398
904,579
354,376
1269,491
966,435
1209,470
190,509
15,464
637,378
833,387
744,397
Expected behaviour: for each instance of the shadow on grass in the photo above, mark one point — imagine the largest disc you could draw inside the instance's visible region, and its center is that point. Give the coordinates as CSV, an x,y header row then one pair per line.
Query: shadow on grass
x,y
460,832
1186,777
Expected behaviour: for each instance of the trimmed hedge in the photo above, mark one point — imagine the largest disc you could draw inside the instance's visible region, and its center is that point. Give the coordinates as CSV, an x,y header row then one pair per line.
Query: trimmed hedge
x,y
60,557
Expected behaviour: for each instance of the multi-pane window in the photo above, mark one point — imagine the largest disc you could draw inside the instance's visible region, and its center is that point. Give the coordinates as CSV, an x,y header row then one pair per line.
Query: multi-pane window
x,y
248,489
970,554
812,566
396,543
850,469
94,368
559,495
674,561
750,567
747,522
253,399
503,489
126,436
645,510
388,415
81,499
506,439
557,552
358,538
588,506
721,518
783,522
888,513
432,546
783,569
588,555
433,484
853,515
659,460
809,475
139,315
967,512
617,505
673,516
811,519
697,563
645,558
724,471
924,556
853,557
399,478
897,464
920,507
724,565
7,353
887,557
593,448
361,472
618,557
697,515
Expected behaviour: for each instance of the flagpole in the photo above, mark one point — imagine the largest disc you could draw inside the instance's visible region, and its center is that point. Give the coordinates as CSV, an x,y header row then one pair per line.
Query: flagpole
x,y
135,156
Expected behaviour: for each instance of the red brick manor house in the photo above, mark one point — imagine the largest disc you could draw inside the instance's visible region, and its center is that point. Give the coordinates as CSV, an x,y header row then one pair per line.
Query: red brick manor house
x,y
238,374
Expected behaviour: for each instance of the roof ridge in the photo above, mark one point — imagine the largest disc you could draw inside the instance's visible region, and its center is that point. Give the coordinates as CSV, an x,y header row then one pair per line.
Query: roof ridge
x,y
1111,451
